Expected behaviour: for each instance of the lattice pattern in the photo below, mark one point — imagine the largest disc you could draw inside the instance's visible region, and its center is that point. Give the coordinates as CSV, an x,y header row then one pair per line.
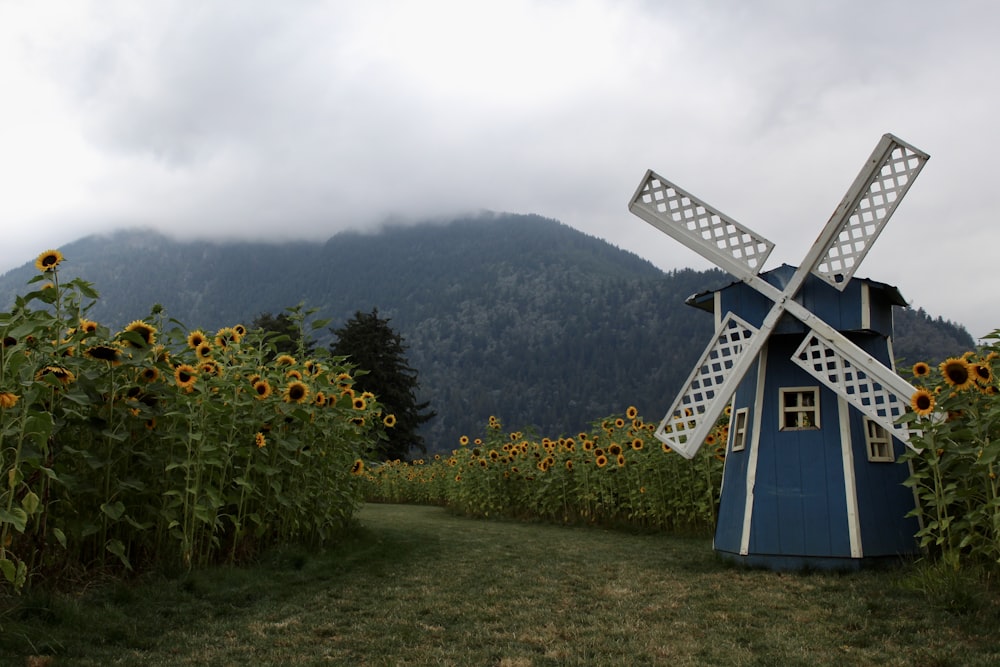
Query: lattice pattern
x,y
877,203
831,367
697,224
697,408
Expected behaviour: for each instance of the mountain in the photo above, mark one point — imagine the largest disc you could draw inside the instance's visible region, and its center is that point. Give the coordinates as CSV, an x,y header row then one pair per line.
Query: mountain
x,y
516,316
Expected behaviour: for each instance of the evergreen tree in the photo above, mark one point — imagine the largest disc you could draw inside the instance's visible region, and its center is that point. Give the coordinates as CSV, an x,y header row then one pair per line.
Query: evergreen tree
x,y
372,346
287,329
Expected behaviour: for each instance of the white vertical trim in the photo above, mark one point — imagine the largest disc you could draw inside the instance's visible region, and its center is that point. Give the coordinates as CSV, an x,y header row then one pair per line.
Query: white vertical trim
x,y
866,307
717,307
850,483
758,405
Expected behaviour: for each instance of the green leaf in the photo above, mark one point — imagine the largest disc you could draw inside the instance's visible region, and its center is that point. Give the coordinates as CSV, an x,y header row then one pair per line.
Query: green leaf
x,y
60,537
8,568
17,517
30,502
114,510
117,548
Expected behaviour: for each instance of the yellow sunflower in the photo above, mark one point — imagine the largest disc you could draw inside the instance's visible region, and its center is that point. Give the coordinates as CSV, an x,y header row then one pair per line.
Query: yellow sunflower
x,y
146,331
261,389
58,373
956,372
922,402
196,338
921,369
632,412
8,400
390,421
285,360
359,403
982,373
260,440
203,351
107,353
296,392
48,261
185,376
601,461
88,326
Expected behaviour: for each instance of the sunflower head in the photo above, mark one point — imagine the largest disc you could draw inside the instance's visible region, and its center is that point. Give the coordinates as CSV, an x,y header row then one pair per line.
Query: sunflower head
x,y
185,376
922,402
8,400
285,360
921,369
48,261
196,338
261,389
390,421
982,374
296,392
108,353
957,373
260,440
146,332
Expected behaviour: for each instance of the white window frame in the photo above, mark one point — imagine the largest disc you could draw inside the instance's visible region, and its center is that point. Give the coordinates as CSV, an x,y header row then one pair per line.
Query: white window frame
x,y
805,409
741,421
878,443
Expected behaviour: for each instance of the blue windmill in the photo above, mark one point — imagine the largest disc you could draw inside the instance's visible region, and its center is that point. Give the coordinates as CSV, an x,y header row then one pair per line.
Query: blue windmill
x,y
804,357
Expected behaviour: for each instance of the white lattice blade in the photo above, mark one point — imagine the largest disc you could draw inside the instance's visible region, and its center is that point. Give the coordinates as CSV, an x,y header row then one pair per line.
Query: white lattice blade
x,y
873,389
704,229
709,386
865,210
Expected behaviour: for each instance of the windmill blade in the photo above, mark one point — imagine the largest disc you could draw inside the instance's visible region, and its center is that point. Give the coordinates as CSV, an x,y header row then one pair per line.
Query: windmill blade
x,y
704,229
875,390
710,385
864,211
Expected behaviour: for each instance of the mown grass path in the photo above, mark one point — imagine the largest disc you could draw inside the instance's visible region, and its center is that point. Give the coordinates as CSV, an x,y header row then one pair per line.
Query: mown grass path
x,y
418,586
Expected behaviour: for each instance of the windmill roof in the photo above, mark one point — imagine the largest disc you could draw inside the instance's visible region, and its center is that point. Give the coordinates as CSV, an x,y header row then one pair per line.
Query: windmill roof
x,y
779,277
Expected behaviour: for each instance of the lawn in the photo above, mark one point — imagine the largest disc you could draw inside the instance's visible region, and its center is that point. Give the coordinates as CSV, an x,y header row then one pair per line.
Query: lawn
x,y
418,586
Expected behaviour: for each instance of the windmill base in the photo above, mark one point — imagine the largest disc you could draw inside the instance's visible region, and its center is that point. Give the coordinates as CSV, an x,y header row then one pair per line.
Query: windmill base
x,y
780,563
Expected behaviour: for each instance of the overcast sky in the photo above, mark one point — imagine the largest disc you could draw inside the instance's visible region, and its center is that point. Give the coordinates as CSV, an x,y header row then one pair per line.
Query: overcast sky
x,y
297,119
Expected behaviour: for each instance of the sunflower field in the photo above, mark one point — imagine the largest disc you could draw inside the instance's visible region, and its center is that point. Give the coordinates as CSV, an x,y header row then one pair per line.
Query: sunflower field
x,y
615,474
956,429
157,444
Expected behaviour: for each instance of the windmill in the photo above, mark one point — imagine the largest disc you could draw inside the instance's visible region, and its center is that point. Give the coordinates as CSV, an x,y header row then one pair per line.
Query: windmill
x,y
800,486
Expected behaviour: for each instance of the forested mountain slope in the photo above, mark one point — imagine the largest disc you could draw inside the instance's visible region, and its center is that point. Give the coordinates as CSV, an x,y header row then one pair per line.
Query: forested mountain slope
x,y
515,316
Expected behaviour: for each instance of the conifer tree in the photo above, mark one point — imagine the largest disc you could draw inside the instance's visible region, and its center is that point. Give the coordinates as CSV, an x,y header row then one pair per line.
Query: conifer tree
x,y
370,344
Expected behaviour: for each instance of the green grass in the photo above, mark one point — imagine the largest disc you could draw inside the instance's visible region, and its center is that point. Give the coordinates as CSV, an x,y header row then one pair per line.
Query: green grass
x,y
418,586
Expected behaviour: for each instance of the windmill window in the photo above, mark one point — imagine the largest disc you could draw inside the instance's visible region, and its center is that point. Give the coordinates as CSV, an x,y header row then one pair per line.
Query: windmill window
x,y
740,430
799,408
878,443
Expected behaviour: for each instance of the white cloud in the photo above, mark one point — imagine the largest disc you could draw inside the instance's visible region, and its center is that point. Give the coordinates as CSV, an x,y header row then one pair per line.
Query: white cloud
x,y
300,119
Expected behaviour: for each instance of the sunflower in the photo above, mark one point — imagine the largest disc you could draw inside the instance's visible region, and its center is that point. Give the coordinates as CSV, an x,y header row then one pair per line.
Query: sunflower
x,y
665,447
922,402
982,373
150,374
226,336
632,412
261,389
359,403
614,449
8,400
921,369
285,360
637,444
58,373
260,440
203,351
146,331
87,326
464,440
196,338
107,353
293,375
48,261
957,373
296,392
185,376
569,464
320,399
210,367
390,421
621,460
601,461
619,423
